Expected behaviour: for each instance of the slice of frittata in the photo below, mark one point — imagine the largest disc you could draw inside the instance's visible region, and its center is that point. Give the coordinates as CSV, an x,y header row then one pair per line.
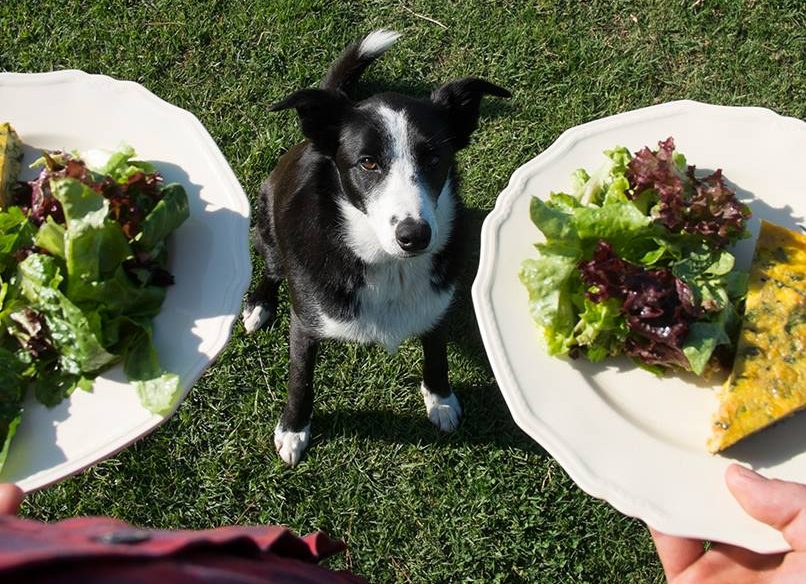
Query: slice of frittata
x,y
768,381
10,157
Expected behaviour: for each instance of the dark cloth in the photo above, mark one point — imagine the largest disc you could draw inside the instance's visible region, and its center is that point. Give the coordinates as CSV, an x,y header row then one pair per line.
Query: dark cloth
x,y
98,549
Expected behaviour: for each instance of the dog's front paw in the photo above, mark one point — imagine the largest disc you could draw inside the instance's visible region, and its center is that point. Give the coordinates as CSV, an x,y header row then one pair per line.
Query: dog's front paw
x,y
256,316
444,412
290,445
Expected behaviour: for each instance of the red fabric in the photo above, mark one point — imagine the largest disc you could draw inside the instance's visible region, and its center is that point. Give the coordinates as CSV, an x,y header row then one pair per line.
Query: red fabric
x,y
97,549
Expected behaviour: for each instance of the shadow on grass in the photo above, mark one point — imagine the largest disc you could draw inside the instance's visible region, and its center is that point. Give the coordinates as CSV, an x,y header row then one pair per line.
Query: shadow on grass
x,y
485,422
414,428
463,330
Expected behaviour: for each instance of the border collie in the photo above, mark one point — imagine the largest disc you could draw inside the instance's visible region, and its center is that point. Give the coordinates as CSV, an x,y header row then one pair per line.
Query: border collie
x,y
363,221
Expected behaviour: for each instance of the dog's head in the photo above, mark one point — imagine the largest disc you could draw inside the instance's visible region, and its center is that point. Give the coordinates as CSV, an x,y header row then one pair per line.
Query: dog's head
x,y
394,156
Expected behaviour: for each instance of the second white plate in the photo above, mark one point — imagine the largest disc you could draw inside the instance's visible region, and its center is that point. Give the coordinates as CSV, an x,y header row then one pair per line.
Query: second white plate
x,y
622,434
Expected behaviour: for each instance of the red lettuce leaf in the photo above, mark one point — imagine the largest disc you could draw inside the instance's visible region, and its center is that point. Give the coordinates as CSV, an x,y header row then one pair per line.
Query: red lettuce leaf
x,y
129,203
686,204
658,307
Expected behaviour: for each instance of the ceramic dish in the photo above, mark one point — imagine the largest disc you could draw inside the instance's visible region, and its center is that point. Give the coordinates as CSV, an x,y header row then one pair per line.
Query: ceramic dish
x,y
622,434
209,257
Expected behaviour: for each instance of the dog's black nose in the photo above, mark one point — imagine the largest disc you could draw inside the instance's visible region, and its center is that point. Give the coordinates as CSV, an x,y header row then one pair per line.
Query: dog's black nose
x,y
413,235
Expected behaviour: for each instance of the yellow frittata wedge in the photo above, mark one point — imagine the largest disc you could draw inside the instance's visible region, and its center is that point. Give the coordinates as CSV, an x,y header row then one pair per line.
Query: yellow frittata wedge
x,y
10,157
768,380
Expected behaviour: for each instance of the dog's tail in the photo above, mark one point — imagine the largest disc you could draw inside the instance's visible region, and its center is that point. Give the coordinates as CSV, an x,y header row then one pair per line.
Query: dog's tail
x,y
347,69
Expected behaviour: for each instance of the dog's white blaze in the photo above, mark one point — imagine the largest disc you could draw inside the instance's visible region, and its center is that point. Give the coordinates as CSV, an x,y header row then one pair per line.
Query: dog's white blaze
x,y
377,42
401,194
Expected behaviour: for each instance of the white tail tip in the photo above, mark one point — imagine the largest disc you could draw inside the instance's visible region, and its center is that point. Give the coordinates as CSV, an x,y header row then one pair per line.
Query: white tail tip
x,y
378,42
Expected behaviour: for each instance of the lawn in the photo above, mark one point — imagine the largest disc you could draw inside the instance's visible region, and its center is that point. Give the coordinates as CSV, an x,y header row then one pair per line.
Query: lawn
x,y
485,504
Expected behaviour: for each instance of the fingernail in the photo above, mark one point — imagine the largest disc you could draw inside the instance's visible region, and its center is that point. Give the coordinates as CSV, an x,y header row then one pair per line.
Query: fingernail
x,y
747,473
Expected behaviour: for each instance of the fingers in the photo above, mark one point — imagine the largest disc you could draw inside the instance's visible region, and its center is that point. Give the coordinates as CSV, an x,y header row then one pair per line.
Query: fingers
x,y
685,560
723,564
11,497
780,504
676,553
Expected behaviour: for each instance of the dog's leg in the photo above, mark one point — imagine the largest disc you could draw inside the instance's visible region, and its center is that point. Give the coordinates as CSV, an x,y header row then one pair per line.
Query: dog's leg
x,y
441,403
293,431
260,306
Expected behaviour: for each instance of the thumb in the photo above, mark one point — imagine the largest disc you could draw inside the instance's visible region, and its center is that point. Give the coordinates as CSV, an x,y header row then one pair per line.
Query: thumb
x,y
780,504
10,498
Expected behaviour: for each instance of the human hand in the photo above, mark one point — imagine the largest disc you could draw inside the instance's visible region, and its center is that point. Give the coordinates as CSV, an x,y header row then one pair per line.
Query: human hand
x,y
11,497
780,504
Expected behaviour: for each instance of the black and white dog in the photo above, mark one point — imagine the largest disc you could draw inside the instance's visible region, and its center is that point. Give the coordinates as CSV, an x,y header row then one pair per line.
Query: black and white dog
x,y
363,221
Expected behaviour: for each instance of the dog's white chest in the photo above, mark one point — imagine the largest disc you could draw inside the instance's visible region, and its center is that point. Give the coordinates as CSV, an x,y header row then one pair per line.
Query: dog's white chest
x,y
396,302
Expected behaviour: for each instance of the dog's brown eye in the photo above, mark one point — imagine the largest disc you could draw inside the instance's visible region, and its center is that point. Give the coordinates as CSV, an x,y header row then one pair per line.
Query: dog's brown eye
x,y
368,163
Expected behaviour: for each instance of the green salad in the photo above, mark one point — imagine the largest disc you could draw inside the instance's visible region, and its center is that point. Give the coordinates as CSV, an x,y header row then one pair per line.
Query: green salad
x,y
82,275
636,262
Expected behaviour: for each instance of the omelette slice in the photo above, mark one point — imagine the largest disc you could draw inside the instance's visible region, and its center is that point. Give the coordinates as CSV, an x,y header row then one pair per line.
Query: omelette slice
x,y
10,157
768,381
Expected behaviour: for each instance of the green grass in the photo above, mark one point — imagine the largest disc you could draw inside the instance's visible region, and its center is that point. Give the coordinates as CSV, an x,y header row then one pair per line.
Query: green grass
x,y
485,504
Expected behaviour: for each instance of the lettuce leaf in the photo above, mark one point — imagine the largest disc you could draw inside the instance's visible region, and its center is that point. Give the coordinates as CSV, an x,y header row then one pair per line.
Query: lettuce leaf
x,y
706,272
74,334
16,232
116,164
158,390
93,246
548,281
601,329
704,208
12,384
167,215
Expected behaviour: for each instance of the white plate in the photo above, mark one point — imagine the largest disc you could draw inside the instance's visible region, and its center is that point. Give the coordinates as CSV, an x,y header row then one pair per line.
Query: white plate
x,y
209,257
622,434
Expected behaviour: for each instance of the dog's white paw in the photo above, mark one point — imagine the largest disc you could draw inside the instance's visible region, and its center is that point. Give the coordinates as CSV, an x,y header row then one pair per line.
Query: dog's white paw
x,y
290,445
444,412
255,317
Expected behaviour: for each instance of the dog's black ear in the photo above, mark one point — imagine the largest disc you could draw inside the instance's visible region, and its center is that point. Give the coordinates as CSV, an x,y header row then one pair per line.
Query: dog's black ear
x,y
321,113
461,100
